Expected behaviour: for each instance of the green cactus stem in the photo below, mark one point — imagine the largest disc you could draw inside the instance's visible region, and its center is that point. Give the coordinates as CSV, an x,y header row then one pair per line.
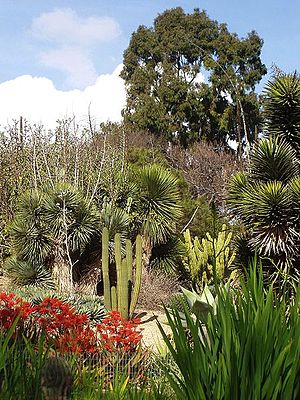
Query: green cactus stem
x,y
138,274
122,297
105,269
114,303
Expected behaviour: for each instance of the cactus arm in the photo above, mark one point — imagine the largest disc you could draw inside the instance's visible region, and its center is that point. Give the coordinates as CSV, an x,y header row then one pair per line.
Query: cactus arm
x,y
105,269
118,258
138,274
129,259
114,303
123,290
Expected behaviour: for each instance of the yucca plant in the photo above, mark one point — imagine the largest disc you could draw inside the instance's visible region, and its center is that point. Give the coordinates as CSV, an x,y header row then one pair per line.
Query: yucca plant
x,y
282,108
49,233
248,347
266,201
159,203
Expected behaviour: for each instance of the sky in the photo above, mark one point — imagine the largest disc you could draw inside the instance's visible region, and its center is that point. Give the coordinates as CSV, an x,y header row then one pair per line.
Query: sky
x,y
63,58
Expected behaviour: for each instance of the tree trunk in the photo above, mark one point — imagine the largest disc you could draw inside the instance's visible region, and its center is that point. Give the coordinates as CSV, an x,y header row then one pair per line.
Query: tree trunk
x,y
62,272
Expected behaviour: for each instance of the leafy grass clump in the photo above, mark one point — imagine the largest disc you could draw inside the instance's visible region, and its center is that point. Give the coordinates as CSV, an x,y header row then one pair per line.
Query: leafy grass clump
x,y
248,347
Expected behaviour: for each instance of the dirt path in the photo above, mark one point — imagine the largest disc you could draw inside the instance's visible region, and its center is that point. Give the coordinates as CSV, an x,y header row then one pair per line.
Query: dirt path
x,y
151,333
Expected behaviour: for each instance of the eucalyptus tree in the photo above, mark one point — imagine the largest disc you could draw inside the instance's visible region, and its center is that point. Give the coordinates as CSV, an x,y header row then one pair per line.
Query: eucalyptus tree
x,y
162,72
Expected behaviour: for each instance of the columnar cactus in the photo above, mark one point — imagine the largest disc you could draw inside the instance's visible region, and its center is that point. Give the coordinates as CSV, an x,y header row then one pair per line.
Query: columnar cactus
x,y
57,380
122,297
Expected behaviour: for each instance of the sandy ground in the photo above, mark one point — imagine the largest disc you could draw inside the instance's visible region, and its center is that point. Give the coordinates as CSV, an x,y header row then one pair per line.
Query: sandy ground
x,y
151,333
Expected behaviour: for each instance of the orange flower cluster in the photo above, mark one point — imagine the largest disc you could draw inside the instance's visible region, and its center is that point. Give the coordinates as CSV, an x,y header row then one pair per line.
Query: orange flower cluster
x,y
11,308
118,334
68,331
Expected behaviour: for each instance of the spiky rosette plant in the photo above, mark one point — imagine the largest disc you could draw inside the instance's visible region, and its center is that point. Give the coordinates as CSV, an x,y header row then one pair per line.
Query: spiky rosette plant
x,y
160,206
51,230
266,201
282,108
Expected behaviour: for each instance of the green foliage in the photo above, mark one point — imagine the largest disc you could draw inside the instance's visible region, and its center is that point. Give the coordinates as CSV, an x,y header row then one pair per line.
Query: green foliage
x,y
121,295
52,227
161,67
246,348
282,108
159,203
167,256
208,260
140,156
265,200
23,273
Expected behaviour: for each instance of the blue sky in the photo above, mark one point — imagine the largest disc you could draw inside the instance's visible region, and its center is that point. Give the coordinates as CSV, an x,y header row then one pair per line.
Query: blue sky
x,y
54,47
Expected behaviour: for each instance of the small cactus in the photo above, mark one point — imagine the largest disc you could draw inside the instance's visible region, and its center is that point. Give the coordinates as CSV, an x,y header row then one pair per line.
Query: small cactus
x,y
57,380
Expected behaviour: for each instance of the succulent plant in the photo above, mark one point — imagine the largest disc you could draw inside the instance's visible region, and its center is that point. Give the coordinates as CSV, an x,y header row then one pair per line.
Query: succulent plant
x,y
124,295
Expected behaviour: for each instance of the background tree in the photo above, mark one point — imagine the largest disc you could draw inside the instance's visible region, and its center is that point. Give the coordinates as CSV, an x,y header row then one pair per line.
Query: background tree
x,y
164,89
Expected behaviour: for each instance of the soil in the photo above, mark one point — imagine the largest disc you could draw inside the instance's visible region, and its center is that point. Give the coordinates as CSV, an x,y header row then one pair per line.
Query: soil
x,y
152,337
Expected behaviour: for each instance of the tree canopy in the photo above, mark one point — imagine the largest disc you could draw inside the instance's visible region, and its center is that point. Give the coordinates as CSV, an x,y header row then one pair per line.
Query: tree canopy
x,y
163,71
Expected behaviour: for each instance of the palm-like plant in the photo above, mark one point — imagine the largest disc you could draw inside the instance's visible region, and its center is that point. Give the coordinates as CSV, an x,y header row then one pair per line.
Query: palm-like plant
x,y
265,200
282,108
52,228
159,203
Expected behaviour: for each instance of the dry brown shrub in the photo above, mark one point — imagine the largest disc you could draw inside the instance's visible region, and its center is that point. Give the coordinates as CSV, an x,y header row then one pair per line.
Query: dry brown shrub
x,y
157,288
206,169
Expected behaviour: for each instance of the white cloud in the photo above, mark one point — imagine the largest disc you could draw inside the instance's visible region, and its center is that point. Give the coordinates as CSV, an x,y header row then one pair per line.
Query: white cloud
x,y
37,100
74,62
68,40
64,26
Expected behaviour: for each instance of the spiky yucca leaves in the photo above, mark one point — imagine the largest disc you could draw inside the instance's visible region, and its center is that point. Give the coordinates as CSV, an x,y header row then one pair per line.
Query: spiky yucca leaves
x,y
159,199
274,160
69,216
266,201
30,237
22,273
51,229
167,256
282,108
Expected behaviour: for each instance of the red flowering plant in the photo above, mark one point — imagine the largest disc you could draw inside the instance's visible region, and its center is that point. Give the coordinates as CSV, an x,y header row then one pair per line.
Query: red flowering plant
x,y
13,309
65,329
69,331
116,334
